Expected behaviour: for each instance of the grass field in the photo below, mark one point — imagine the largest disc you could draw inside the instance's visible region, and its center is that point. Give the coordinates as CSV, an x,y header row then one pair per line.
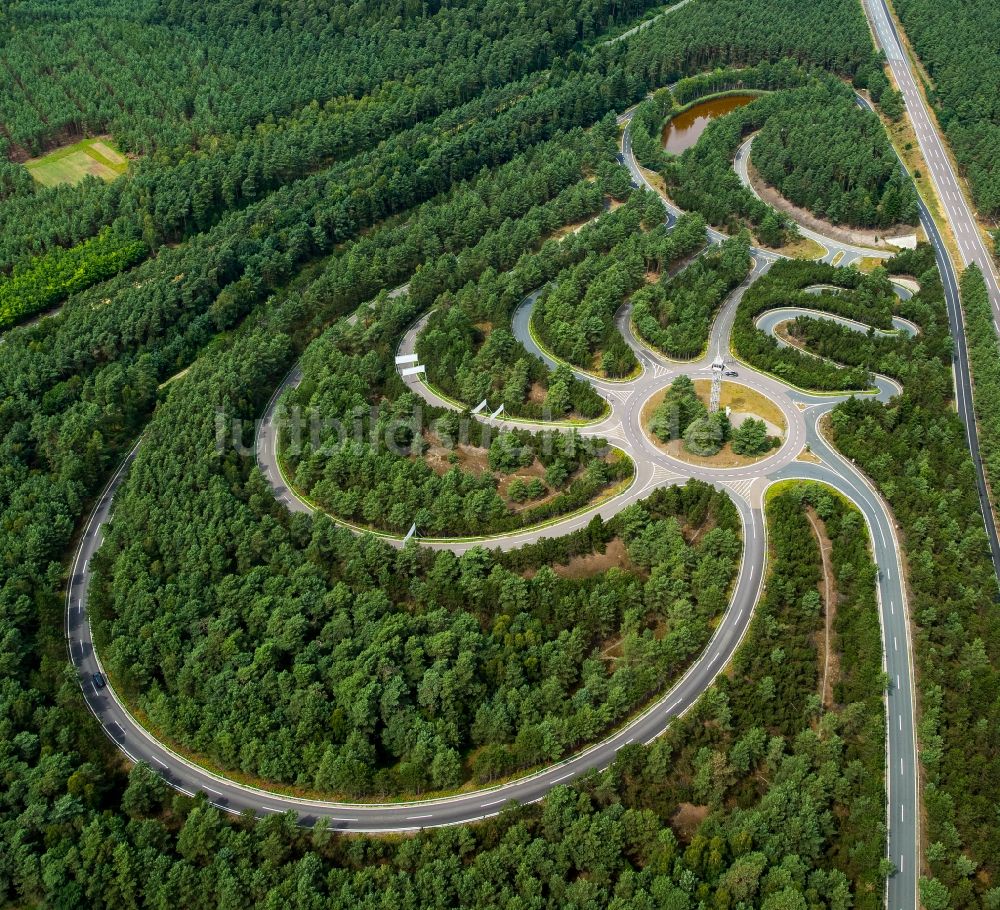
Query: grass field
x,y
72,163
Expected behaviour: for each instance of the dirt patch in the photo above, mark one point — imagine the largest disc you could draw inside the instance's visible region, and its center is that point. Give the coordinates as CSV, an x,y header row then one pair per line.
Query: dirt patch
x,y
841,232
802,248
537,393
806,455
568,229
475,460
781,331
693,535
656,181
615,555
439,459
535,469
829,656
677,267
687,819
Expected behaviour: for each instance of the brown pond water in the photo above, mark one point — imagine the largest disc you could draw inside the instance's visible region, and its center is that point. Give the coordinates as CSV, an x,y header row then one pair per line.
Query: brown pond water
x,y
685,129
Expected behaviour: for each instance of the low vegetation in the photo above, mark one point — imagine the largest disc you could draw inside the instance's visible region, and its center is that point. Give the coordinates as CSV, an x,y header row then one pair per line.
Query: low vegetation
x,y
75,163
52,278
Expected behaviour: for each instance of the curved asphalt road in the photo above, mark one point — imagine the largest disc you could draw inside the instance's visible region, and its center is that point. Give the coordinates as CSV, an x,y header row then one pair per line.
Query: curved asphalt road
x,y
653,468
848,252
903,842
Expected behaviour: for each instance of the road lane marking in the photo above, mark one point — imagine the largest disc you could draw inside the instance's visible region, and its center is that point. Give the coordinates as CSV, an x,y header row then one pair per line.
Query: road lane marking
x,y
411,818
495,802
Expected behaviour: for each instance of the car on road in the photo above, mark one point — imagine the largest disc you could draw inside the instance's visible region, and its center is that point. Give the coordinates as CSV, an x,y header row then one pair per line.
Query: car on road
x,y
731,373
98,680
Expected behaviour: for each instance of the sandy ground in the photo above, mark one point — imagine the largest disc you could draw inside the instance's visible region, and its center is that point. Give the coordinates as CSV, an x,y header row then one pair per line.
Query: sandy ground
x,y
744,404
829,657
841,232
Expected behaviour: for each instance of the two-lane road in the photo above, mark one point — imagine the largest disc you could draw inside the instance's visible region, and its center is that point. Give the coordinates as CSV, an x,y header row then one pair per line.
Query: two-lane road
x,y
957,210
139,745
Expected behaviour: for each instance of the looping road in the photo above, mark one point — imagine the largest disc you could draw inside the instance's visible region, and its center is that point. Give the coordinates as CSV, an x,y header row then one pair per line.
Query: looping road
x,y
654,468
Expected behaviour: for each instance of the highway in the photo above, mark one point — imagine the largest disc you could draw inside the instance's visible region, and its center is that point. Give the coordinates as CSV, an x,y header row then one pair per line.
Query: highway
x,y
955,207
654,468
964,402
957,210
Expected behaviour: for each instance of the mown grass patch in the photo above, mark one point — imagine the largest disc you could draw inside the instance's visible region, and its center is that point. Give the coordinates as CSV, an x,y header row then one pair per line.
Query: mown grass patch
x,y
72,163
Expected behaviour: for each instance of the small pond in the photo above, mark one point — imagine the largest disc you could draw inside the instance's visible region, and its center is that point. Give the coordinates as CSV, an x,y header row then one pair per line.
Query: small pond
x,y
684,130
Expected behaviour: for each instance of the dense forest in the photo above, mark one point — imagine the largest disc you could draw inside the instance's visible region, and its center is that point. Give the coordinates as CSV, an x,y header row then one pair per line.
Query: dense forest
x,y
813,143
295,162
797,828
674,316
957,45
652,113
370,452
521,669
468,346
826,154
914,450
174,194
574,317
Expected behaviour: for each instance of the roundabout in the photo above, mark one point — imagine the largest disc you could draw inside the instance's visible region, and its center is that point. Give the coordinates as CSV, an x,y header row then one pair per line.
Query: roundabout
x,y
739,403
791,414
